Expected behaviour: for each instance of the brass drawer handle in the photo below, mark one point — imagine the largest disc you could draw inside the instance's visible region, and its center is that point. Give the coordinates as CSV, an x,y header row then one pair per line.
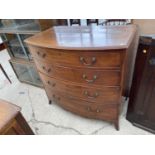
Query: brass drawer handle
x,y
45,69
89,81
90,110
53,85
83,61
89,96
41,54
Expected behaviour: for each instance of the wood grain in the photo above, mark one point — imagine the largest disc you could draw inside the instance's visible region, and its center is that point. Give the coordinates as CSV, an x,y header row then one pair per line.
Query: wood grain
x,y
103,77
142,100
102,59
11,120
84,108
84,37
83,68
104,95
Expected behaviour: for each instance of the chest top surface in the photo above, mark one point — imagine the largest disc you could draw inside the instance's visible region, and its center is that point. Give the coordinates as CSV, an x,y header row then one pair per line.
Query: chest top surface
x,y
7,112
85,37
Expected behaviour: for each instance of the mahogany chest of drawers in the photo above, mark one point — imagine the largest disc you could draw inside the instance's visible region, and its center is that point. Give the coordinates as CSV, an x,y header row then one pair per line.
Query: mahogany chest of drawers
x,y
86,69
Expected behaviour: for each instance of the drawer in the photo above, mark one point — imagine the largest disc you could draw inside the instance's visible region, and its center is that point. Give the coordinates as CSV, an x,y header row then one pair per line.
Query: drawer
x,y
105,95
83,76
91,59
86,109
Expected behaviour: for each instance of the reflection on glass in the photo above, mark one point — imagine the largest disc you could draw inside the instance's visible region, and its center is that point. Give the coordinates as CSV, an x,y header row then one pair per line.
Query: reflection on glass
x,y
16,45
20,24
27,73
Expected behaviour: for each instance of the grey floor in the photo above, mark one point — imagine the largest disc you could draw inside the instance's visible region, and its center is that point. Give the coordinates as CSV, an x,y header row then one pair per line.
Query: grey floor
x,y
52,119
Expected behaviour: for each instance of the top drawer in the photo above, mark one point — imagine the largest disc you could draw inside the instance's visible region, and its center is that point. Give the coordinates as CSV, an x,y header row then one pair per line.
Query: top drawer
x,y
100,59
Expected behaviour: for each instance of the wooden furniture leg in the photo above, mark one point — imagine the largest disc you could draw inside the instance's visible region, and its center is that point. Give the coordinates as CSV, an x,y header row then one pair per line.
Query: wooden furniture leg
x,y
2,46
50,102
116,123
5,73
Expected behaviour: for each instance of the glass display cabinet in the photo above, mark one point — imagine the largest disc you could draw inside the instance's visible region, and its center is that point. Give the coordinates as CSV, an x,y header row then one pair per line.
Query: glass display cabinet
x,y
13,32
16,46
25,25
26,72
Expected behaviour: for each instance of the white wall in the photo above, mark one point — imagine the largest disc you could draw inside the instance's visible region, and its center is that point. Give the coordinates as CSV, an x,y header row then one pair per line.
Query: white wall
x,y
146,26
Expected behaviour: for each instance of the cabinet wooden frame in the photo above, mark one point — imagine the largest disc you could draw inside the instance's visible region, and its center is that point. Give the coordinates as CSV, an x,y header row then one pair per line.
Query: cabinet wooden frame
x,y
142,101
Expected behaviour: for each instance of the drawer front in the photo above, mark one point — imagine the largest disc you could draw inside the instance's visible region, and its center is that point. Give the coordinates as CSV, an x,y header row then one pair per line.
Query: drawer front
x,y
86,109
78,58
83,76
100,96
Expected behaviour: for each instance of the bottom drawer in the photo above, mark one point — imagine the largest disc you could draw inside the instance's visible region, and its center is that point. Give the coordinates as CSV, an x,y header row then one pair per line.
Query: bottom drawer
x,y
87,109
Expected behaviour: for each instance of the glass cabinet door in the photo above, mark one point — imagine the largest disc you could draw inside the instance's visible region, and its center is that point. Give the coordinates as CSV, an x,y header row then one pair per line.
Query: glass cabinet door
x,y
23,37
16,45
26,73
